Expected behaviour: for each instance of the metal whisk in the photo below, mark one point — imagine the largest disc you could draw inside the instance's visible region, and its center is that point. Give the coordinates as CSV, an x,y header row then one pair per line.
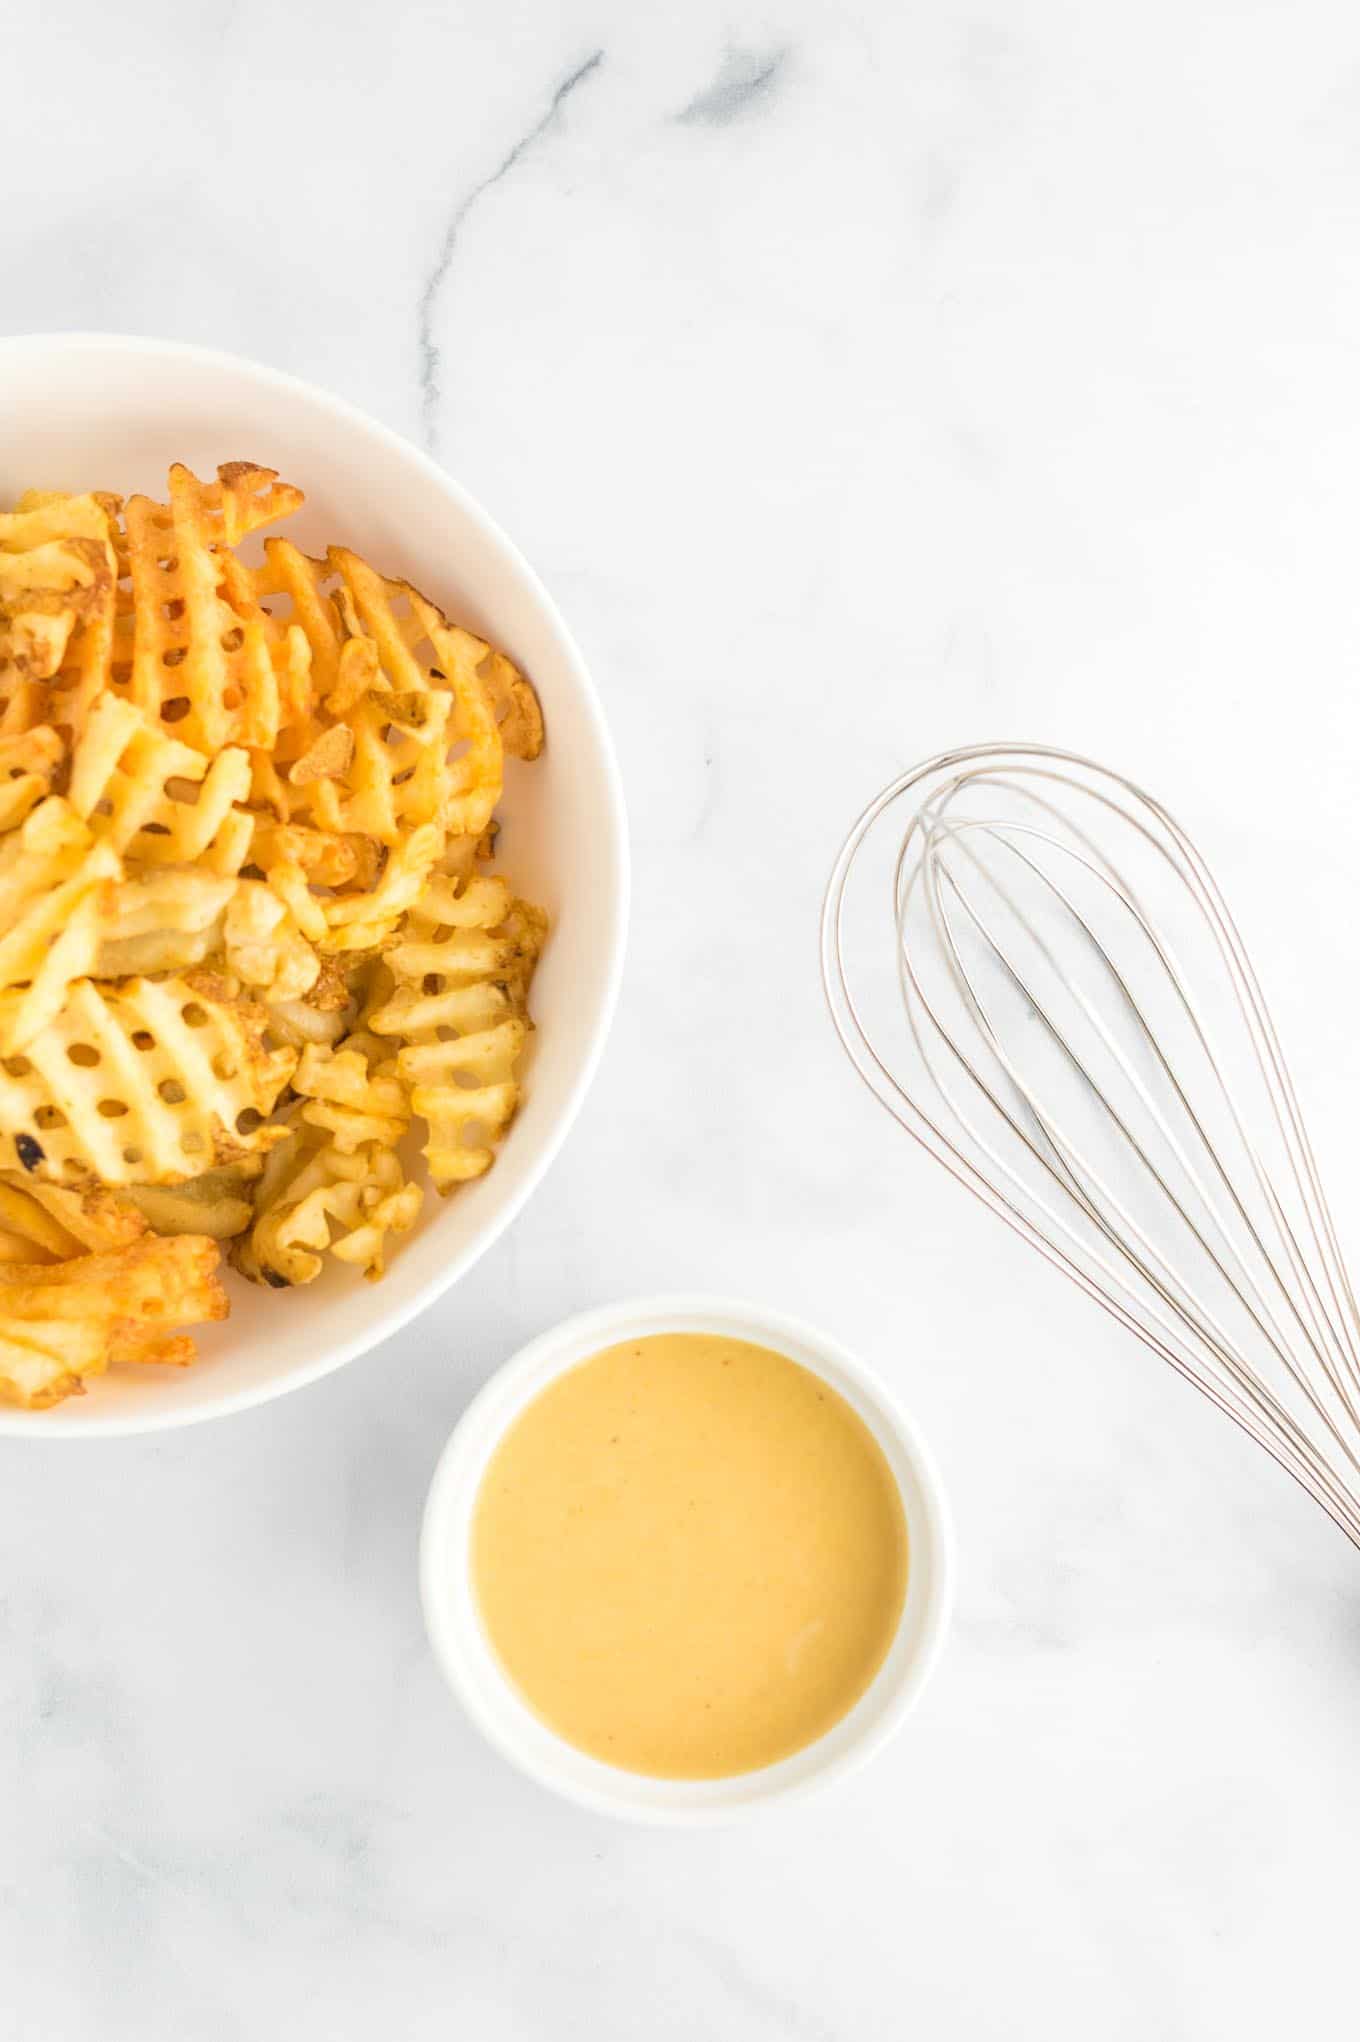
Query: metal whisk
x,y
1066,1018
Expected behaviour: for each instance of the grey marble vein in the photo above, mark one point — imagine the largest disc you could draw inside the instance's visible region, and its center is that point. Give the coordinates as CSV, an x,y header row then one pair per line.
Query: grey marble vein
x,y
743,79
431,358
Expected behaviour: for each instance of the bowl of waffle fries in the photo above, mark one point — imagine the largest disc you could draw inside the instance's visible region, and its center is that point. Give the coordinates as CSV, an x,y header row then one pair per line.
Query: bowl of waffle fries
x,y
313,884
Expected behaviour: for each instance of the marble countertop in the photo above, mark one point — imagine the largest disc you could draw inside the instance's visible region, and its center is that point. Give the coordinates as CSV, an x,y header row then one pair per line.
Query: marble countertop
x,y
862,380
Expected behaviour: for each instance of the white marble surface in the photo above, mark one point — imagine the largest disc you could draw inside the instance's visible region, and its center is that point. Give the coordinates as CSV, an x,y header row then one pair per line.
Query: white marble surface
x,y
862,379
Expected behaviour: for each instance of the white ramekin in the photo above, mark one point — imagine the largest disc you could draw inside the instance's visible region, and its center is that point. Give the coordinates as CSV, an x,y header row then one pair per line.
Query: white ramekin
x,y
469,1663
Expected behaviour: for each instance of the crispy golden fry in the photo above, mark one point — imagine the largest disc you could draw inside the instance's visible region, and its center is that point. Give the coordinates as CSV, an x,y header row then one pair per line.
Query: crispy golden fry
x,y
205,657
518,715
316,857
170,920
42,1364
145,1082
45,516
218,1203
153,797
323,1199
355,922
264,946
338,1185
43,596
28,766
408,688
162,920
23,1217
459,1009
67,1219
298,1022
348,1101
63,1321
54,881
245,816
405,747
71,914
58,587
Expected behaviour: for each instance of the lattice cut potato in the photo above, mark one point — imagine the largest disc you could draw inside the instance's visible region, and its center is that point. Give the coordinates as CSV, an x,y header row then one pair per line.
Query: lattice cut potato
x,y
317,1199
348,1101
403,747
28,767
201,654
411,716
218,1203
338,1186
459,1010
144,1082
58,602
369,758
250,950
54,880
157,800
54,1222
61,1322
160,921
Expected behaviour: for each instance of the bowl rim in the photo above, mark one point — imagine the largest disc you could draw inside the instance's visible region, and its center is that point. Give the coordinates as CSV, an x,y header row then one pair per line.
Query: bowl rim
x,y
30,1425
466,1657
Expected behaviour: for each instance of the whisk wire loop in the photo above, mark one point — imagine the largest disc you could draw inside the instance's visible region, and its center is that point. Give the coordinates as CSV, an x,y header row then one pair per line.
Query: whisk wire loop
x,y
1064,1057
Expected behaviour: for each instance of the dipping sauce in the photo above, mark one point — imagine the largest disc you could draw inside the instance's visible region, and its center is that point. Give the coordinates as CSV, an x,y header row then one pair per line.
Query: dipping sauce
x,y
690,1556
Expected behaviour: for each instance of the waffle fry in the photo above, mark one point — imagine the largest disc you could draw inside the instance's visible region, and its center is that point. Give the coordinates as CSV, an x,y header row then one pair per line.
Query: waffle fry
x,y
155,798
339,1185
459,1010
43,594
408,688
58,587
44,516
147,1082
203,650
317,858
71,912
53,878
316,1198
264,946
364,921
408,734
67,1219
28,1232
218,1203
302,1021
163,920
518,715
63,1321
368,767
28,767
248,938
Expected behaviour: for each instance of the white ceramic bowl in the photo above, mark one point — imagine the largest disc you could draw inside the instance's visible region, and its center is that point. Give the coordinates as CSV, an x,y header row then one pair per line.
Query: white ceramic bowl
x,y
465,1652
84,411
